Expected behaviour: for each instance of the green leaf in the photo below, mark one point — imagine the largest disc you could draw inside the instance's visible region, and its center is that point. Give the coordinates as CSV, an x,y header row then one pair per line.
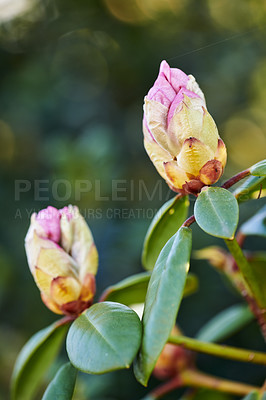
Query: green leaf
x,y
133,289
225,324
63,385
216,212
252,396
251,188
258,169
163,298
129,291
164,225
106,337
34,360
255,225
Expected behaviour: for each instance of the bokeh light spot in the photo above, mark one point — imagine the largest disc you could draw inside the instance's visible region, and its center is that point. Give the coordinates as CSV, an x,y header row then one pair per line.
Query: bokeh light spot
x,y
126,11
246,141
10,9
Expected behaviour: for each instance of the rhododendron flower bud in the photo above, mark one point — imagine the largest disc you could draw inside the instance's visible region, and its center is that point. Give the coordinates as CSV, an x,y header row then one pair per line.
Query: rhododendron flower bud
x,y
63,259
172,360
180,136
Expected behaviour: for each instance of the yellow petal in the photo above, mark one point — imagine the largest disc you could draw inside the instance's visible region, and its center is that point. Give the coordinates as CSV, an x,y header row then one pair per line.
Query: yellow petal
x,y
156,117
175,175
65,289
187,121
194,154
33,245
66,228
157,154
193,120
90,264
56,262
221,154
88,288
51,304
43,281
83,248
209,133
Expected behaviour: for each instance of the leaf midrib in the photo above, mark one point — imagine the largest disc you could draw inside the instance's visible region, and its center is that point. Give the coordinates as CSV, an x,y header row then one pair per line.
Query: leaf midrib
x,y
105,340
216,213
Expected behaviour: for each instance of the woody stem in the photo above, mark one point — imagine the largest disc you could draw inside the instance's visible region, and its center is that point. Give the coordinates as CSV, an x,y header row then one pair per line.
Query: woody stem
x,y
189,221
251,281
236,178
197,379
65,320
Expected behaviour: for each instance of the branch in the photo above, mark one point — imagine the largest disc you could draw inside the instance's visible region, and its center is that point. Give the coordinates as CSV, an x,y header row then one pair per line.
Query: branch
x,y
198,379
236,178
232,353
250,279
189,221
65,320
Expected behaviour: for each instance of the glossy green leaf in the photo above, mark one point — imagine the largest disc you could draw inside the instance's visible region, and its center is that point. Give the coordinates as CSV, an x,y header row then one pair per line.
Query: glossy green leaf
x,y
252,396
133,289
252,188
106,337
163,299
34,360
256,225
164,225
225,324
63,385
129,291
258,169
216,212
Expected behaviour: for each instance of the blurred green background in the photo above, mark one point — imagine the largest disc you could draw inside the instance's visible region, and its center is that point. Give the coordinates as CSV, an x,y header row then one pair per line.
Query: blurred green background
x,y
73,77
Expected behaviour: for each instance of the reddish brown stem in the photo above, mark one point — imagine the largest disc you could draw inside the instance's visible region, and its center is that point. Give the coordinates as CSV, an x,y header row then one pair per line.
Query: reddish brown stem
x,y
200,380
196,379
165,388
236,178
240,237
65,320
189,221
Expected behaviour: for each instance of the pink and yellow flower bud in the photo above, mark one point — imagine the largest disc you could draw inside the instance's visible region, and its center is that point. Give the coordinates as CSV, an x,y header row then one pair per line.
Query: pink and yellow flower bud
x,y
180,136
63,259
172,360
